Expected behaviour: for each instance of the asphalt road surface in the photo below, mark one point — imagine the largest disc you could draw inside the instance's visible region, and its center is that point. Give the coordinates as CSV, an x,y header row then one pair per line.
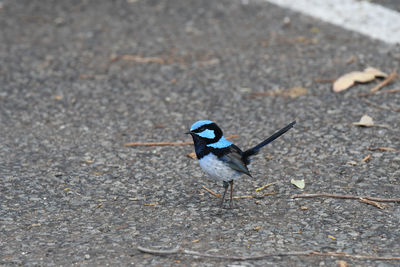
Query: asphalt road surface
x,y
79,79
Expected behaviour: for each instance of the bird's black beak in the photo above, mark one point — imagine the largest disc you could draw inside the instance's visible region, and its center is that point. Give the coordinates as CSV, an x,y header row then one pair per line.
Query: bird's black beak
x,y
187,133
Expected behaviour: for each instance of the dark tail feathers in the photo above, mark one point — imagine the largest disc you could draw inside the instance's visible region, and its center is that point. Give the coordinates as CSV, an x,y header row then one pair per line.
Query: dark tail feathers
x,y
252,151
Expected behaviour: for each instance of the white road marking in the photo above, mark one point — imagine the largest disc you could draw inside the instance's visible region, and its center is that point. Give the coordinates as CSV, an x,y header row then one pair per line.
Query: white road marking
x,y
363,17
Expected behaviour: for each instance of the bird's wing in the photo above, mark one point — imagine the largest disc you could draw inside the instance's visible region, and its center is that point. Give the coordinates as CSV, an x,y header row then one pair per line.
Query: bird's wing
x,y
235,161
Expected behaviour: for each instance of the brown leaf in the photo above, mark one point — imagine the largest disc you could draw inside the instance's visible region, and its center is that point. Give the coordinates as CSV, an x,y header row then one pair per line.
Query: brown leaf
x,y
352,162
347,80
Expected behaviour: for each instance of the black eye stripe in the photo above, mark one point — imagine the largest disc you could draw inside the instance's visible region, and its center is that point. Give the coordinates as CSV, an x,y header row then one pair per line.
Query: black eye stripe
x,y
198,130
202,128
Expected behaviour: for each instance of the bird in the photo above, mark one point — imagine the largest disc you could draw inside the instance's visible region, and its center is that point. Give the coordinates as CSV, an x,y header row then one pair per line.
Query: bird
x,y
221,159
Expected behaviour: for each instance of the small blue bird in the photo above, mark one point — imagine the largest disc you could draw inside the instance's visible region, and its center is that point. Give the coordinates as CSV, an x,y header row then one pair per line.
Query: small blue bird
x,y
220,158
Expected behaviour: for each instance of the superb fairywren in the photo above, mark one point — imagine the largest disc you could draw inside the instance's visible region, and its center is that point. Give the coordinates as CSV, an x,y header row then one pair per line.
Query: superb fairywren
x,y
220,158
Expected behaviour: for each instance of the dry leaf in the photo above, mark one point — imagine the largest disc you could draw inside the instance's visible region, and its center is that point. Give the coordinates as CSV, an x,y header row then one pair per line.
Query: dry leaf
x,y
295,92
351,59
332,237
150,204
347,80
341,263
376,72
192,155
269,156
365,121
257,228
298,183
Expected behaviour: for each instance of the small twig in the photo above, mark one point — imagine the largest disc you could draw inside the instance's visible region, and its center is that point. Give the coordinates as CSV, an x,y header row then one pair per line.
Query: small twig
x,y
351,60
269,194
389,91
385,149
366,158
178,250
373,203
346,197
381,107
265,186
292,93
345,255
238,197
255,196
206,255
139,59
211,192
159,144
267,93
243,197
169,143
150,204
160,252
392,76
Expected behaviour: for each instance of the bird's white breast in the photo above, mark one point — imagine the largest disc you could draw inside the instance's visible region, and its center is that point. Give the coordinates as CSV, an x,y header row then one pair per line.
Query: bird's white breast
x,y
217,169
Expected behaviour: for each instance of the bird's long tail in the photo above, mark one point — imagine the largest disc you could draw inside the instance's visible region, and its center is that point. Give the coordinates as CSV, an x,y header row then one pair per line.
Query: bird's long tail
x,y
252,151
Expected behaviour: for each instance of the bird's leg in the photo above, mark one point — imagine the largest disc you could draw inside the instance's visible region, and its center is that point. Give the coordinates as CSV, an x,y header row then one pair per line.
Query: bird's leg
x,y
231,200
226,185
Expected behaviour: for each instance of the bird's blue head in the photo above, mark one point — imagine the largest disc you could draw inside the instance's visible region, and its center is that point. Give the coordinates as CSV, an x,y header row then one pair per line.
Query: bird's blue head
x,y
205,134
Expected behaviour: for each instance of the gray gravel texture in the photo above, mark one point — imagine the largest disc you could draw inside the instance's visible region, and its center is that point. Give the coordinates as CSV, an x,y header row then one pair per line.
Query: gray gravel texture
x,y
72,194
